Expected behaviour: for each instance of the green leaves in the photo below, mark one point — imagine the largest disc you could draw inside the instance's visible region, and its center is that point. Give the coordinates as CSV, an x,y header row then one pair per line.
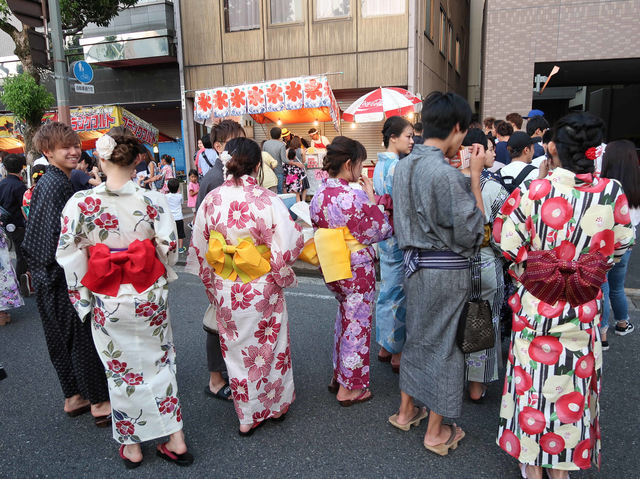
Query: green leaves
x,y
103,235
169,390
130,390
26,98
575,193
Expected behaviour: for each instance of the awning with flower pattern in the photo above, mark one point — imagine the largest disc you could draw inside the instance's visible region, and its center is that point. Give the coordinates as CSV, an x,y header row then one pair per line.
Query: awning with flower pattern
x,y
290,100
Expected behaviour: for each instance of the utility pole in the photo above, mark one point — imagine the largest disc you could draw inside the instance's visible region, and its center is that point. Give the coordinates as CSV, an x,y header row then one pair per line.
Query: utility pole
x,y
59,62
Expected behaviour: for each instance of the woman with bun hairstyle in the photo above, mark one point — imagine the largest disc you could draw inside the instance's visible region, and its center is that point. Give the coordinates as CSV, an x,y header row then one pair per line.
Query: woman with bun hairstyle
x,y
245,243
117,245
348,221
620,162
563,233
391,308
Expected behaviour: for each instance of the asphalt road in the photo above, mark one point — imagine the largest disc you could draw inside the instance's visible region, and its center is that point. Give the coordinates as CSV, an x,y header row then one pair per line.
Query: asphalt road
x,y
319,439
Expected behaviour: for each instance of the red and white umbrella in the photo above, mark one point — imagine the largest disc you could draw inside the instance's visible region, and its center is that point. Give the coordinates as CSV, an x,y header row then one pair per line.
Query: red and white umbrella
x,y
382,103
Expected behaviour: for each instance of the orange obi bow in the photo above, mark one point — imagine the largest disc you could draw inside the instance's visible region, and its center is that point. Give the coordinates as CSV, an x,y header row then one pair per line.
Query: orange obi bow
x,y
245,261
331,249
550,279
138,266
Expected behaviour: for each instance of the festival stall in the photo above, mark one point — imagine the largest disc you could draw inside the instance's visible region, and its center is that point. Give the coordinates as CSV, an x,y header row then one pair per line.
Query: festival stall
x,y
285,101
90,124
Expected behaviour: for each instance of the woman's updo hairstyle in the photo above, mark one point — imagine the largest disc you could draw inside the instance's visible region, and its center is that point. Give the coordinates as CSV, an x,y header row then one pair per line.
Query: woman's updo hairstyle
x,y
245,156
394,126
573,135
340,151
127,146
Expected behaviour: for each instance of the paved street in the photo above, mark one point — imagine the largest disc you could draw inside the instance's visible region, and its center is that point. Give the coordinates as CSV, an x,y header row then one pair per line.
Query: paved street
x,y
318,439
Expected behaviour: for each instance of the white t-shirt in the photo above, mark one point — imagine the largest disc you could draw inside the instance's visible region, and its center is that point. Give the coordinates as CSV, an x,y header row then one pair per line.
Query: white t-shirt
x,y
212,156
41,161
538,161
175,205
514,168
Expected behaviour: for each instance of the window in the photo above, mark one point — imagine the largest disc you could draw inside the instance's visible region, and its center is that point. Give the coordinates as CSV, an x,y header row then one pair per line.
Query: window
x,y
241,15
332,8
428,24
451,44
373,8
443,30
457,54
286,11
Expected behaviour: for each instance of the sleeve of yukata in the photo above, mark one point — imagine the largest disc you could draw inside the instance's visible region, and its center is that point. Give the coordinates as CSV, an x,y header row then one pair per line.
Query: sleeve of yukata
x,y
73,255
199,245
457,209
166,235
623,228
510,228
286,244
366,221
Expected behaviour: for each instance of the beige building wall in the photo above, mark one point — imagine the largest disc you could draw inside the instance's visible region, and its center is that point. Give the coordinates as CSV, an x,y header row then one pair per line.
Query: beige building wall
x,y
520,33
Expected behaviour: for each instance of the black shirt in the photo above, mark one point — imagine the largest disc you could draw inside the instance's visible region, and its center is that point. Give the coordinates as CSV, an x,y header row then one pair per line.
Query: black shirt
x,y
80,180
11,192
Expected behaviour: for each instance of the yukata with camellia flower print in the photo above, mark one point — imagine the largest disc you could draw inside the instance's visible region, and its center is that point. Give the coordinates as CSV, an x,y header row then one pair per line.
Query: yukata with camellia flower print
x,y
252,315
563,231
117,248
336,205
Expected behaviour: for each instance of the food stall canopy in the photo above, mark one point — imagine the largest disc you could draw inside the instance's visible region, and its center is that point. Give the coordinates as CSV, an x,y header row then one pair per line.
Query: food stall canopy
x,y
90,124
290,100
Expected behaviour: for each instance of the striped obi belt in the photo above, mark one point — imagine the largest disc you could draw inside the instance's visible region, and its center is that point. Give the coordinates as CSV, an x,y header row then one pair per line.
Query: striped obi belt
x,y
108,268
550,278
245,261
331,250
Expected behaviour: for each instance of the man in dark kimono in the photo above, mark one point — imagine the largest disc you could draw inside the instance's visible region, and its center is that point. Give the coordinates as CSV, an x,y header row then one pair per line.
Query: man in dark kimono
x,y
71,349
439,223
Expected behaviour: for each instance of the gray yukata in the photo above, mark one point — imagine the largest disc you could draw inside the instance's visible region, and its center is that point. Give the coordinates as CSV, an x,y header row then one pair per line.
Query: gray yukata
x,y
437,213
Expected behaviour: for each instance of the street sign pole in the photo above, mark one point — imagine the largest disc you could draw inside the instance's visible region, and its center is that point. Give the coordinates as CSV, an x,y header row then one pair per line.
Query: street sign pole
x,y
59,62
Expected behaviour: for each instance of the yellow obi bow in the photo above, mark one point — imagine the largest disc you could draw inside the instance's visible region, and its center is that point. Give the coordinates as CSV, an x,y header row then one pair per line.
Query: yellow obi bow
x,y
331,249
246,260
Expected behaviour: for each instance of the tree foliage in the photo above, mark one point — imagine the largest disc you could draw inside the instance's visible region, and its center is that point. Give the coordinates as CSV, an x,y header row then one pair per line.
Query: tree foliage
x,y
26,98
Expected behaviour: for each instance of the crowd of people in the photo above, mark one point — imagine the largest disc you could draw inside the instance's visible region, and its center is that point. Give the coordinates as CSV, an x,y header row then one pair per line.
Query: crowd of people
x,y
530,223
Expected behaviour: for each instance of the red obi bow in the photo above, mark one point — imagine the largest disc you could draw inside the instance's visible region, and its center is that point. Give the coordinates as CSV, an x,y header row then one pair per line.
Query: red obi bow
x,y
387,203
551,279
137,266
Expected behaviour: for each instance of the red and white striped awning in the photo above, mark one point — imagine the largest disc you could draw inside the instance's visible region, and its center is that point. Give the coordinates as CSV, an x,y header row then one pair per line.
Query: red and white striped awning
x,y
382,103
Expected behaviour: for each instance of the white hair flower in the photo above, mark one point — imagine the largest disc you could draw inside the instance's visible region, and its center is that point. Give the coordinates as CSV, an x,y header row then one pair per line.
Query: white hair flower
x,y
105,146
225,157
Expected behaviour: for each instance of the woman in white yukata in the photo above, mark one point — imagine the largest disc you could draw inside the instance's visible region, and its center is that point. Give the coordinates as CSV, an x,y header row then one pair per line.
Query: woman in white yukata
x,y
243,246
117,245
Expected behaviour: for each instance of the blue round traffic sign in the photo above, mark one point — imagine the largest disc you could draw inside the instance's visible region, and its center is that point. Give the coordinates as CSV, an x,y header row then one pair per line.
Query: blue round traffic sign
x,y
83,72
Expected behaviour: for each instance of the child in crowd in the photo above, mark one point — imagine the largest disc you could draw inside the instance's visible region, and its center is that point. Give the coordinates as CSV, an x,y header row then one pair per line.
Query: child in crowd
x,y
167,171
175,205
71,349
193,189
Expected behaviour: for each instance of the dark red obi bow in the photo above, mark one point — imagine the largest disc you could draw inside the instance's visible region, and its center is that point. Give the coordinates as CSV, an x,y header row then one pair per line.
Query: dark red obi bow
x,y
137,266
551,279
387,203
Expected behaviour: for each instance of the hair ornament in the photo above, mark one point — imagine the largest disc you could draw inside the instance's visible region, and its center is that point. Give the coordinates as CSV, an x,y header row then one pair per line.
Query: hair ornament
x,y
35,175
591,154
105,146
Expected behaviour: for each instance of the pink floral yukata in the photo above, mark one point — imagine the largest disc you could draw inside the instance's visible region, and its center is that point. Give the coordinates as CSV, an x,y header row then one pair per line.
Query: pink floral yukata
x,y
335,205
252,317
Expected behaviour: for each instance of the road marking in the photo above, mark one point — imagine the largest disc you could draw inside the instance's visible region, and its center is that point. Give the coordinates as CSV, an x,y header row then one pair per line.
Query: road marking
x,y
310,295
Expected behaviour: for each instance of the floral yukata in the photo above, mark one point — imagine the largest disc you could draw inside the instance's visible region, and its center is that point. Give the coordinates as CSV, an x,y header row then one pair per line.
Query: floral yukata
x,y
252,317
550,411
10,290
131,329
336,205
391,308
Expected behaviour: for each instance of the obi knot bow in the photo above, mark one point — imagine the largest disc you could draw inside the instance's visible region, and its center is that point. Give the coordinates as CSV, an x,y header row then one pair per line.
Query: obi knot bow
x,y
138,265
246,260
550,278
331,249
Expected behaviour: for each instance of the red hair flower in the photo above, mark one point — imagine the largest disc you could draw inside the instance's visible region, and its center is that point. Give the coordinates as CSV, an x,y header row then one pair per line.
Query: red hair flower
x,y
591,153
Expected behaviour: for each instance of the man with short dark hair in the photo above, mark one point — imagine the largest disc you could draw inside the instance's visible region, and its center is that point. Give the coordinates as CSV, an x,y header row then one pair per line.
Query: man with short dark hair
x,y
11,192
488,125
536,126
439,223
278,150
417,134
520,146
504,130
